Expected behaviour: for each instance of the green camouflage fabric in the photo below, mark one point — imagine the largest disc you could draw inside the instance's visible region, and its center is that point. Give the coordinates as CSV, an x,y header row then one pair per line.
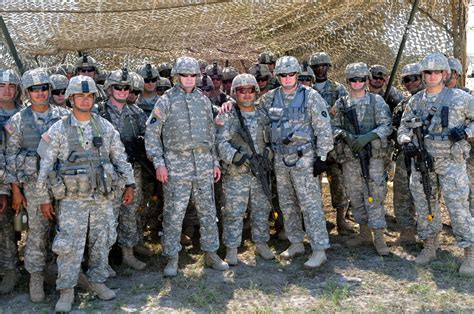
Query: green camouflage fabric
x,y
371,214
449,177
180,135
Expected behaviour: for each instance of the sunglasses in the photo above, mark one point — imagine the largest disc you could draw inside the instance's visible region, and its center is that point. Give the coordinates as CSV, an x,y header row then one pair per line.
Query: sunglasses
x,y
37,88
245,90
150,80
216,78
378,78
206,88
287,74
136,92
187,75
226,81
304,78
357,79
410,78
162,89
429,72
57,92
262,79
121,87
84,70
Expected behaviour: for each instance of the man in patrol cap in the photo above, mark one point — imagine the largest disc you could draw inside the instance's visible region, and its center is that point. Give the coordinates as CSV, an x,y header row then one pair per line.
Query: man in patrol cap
x,y
379,77
363,121
84,166
180,140
437,116
150,75
24,131
9,105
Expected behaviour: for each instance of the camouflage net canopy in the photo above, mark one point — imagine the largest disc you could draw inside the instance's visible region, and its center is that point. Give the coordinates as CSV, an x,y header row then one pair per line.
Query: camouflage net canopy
x,y
124,33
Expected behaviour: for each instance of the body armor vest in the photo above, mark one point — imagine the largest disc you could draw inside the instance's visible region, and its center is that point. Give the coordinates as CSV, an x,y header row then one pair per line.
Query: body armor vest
x,y
32,131
147,106
130,122
331,94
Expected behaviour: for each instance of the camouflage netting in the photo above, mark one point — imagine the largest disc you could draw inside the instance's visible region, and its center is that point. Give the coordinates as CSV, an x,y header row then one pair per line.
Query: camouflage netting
x,y
122,32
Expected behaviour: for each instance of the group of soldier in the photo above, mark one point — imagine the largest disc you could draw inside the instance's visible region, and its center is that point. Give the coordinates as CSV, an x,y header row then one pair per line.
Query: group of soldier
x,y
218,141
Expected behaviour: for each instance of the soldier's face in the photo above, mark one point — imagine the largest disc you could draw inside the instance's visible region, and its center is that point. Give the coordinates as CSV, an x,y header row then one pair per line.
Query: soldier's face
x,y
133,96
245,95
7,92
434,78
321,70
377,81
187,81
39,94
217,82
150,84
412,82
271,66
89,71
288,80
120,92
357,83
262,82
82,102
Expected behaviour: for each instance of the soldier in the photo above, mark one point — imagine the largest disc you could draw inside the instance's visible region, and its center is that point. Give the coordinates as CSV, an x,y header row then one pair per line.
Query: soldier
x,y
83,164
65,69
164,69
437,116
379,77
86,65
138,85
162,86
129,120
262,75
456,73
58,89
180,141
9,105
147,100
363,121
202,65
298,116
228,75
241,187
269,59
217,96
320,63
24,132
306,77
403,206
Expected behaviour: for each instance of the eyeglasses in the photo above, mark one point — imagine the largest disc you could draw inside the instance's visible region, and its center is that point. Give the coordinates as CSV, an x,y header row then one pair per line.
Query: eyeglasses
x,y
429,72
304,78
136,92
162,89
410,78
187,75
357,79
57,92
262,79
150,80
245,90
121,87
37,88
206,88
226,81
84,70
378,78
287,74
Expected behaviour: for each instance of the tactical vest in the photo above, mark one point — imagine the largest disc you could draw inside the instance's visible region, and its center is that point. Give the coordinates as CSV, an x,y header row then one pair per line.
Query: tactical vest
x,y
291,131
187,124
3,121
238,142
130,126
147,106
31,131
331,94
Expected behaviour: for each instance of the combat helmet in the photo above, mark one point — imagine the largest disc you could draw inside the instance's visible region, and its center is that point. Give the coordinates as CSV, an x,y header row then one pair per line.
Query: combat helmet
x,y
228,73
267,57
148,71
319,58
118,77
58,81
410,69
164,69
287,64
204,83
214,70
244,79
260,70
86,61
455,65
38,76
358,69
186,65
8,76
81,84
435,61
137,81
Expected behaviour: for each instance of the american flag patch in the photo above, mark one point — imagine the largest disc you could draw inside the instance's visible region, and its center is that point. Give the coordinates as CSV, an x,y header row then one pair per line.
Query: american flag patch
x,y
9,128
46,137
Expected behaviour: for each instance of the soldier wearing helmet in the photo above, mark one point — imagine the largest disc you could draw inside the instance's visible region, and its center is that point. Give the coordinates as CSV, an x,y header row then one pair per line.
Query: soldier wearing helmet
x,y
298,116
228,74
363,121
88,66
82,158
181,132
445,116
203,65
403,206
138,85
164,70
59,84
66,69
24,132
379,77
162,86
150,75
306,77
129,120
9,105
330,90
217,96
456,72
269,59
263,76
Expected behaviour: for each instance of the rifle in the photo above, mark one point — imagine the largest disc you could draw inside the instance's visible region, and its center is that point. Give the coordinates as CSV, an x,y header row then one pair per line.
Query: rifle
x,y
259,164
98,142
423,162
135,149
365,154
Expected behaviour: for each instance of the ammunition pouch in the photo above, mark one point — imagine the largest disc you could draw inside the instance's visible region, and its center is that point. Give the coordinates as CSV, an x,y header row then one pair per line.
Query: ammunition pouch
x,y
27,165
57,186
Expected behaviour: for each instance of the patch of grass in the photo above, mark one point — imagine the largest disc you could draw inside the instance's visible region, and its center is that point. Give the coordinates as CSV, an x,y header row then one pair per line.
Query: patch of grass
x,y
419,289
336,292
140,288
203,297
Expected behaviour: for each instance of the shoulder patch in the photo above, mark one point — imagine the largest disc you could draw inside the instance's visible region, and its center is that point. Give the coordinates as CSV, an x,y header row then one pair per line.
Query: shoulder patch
x,y
324,113
46,137
9,128
157,113
153,120
220,119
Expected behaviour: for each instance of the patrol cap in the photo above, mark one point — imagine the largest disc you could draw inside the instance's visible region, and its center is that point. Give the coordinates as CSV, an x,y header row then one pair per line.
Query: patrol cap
x,y
379,70
241,80
319,58
137,81
358,69
81,84
186,65
267,57
260,70
148,71
38,76
455,65
58,81
435,61
287,64
118,77
214,70
8,76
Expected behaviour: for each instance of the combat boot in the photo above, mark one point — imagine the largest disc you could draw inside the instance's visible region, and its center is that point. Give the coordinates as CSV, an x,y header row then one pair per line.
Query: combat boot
x,y
83,281
467,266
316,259
407,237
131,260
295,249
171,269
36,287
262,249
142,250
214,261
231,256
341,222
111,272
9,280
379,243
102,291
65,301
428,254
364,237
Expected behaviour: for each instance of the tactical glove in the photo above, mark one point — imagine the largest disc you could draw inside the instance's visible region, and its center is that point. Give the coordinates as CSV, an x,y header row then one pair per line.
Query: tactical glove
x,y
348,137
457,134
239,158
410,150
363,140
319,166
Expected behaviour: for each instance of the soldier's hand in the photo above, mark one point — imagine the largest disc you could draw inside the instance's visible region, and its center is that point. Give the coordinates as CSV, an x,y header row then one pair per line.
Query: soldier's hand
x,y
48,211
18,199
226,107
3,203
128,196
162,174
217,174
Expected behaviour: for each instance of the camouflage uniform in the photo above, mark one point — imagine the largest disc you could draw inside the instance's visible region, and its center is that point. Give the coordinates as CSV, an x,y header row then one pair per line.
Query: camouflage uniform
x,y
394,96
148,71
180,135
88,62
